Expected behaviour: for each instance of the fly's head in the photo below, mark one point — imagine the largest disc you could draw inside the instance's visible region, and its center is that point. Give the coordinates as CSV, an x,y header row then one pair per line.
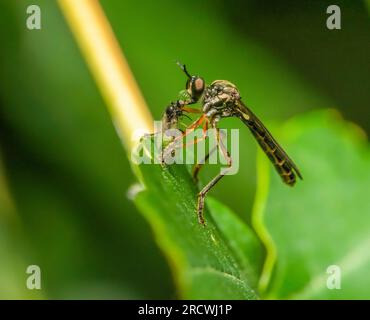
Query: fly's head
x,y
195,85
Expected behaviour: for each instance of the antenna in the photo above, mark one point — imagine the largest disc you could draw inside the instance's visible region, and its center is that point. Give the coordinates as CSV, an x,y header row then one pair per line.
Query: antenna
x,y
183,68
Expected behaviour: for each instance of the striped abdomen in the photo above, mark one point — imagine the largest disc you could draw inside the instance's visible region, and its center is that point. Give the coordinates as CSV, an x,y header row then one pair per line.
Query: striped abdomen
x,y
281,161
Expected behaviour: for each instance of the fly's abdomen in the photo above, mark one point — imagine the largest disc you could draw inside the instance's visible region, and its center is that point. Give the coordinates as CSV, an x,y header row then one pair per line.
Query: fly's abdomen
x,y
273,151
281,165
281,161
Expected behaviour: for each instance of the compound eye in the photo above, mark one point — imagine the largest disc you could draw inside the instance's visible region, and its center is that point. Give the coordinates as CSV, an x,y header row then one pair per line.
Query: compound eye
x,y
198,84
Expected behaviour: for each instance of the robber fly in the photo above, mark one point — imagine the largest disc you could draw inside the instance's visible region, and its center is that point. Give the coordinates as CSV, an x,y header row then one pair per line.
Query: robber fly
x,y
220,100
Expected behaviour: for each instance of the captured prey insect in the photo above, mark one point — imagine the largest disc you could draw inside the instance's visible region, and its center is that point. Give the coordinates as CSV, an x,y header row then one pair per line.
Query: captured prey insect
x,y
219,100
173,112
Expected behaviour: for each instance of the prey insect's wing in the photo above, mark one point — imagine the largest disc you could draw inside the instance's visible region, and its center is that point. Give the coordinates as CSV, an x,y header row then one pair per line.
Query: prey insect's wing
x,y
285,166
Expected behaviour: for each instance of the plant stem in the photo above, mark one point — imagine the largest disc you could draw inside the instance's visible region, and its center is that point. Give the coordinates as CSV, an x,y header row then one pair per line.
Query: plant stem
x,y
109,67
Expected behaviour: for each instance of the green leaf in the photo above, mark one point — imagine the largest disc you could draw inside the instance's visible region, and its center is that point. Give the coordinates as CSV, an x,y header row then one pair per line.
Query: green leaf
x,y
325,219
219,261
240,238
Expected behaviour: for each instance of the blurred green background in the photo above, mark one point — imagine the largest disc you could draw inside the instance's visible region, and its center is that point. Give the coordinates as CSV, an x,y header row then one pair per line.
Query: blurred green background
x,y
63,172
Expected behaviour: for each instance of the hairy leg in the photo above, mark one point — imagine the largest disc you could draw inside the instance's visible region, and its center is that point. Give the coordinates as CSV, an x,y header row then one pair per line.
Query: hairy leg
x,y
202,194
171,147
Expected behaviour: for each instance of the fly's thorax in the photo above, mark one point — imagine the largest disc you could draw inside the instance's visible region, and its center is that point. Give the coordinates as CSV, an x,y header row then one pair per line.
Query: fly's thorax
x,y
222,84
220,99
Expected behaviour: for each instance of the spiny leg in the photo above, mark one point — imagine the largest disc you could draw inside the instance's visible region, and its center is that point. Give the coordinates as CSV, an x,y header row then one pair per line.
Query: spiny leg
x,y
194,141
191,110
198,166
202,194
171,147
197,140
223,148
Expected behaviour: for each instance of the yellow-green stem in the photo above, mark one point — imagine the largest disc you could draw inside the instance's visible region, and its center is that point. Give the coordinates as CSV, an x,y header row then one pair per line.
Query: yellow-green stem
x,y
109,67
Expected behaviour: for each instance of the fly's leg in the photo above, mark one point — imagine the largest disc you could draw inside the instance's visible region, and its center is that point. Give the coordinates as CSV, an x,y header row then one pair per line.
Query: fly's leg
x,y
199,165
193,142
190,110
197,140
202,194
171,147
